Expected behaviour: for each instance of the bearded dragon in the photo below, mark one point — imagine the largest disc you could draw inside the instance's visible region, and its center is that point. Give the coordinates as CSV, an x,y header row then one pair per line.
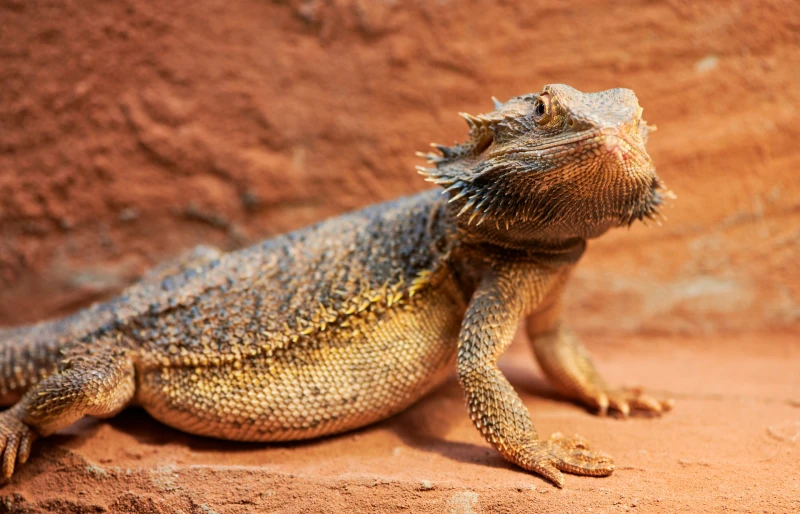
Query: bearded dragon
x,y
349,321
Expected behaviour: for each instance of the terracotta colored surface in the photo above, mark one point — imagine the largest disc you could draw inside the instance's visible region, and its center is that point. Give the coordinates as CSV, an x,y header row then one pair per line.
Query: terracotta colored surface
x,y
130,130
732,443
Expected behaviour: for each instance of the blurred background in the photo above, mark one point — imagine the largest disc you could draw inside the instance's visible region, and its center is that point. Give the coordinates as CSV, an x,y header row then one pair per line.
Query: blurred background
x,y
131,130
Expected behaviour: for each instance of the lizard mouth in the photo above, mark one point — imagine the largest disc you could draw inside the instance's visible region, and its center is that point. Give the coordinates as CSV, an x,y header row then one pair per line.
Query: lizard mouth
x,y
608,142
565,144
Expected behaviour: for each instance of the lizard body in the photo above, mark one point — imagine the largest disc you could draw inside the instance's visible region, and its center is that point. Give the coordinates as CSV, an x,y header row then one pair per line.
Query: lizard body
x,y
353,319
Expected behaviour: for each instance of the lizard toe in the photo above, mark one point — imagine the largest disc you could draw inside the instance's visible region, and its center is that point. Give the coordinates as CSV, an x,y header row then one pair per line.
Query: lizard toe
x,y
10,455
15,442
574,456
620,404
25,446
632,401
549,470
602,402
575,442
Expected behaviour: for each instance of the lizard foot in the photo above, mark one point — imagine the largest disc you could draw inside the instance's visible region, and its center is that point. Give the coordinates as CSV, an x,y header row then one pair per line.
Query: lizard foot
x,y
630,400
16,439
569,454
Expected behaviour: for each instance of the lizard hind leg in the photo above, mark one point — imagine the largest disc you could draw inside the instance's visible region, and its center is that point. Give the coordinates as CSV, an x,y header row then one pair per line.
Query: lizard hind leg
x,y
90,382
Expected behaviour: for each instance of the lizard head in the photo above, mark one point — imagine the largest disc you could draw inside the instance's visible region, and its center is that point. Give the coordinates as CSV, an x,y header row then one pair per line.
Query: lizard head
x,y
552,165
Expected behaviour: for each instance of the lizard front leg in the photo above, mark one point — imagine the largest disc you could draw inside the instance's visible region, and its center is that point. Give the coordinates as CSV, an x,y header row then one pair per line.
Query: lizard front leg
x,y
100,383
495,408
568,365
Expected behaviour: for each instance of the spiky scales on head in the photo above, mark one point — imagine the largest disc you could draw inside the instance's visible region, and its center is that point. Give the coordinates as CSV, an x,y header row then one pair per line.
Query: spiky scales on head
x,y
552,165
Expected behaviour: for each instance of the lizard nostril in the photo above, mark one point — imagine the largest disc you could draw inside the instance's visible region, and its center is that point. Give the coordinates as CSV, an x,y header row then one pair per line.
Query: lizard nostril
x,y
571,123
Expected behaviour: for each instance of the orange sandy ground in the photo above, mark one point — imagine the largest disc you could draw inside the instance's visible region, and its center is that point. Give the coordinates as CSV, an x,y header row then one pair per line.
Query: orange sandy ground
x,y
732,444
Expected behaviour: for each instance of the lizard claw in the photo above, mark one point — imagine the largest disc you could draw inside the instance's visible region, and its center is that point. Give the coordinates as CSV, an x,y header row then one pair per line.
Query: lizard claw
x,y
568,454
602,403
16,439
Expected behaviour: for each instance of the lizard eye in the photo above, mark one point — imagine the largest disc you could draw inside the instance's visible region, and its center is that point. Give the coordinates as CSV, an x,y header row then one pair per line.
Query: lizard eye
x,y
541,109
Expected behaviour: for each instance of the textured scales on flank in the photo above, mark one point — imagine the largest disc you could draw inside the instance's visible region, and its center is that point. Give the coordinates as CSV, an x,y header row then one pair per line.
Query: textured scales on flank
x,y
349,321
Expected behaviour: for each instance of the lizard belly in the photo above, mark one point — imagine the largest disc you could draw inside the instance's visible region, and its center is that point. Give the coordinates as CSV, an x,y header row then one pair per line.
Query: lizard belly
x,y
336,381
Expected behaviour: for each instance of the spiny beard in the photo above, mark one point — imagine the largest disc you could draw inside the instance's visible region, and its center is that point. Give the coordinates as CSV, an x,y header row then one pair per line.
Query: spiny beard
x,y
649,206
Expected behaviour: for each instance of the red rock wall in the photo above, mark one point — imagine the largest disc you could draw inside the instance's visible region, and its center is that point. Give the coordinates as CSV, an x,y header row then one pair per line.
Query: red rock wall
x,y
130,130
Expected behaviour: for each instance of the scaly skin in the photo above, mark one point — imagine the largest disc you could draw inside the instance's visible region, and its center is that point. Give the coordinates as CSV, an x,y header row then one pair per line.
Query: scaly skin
x,y
349,321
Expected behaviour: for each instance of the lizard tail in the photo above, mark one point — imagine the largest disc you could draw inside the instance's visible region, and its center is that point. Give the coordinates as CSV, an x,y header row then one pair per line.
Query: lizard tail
x,y
27,355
